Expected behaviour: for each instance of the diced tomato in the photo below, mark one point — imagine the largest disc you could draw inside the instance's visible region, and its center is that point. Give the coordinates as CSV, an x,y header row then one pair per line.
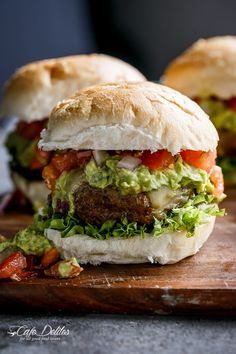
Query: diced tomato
x,y
157,160
13,264
30,131
200,159
50,257
218,181
50,174
232,103
64,162
40,159
70,160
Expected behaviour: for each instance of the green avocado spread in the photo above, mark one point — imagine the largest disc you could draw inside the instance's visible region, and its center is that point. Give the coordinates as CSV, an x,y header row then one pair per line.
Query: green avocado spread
x,y
29,240
144,180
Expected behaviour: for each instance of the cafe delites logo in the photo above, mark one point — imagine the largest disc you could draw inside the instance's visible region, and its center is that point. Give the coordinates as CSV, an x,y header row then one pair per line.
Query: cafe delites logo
x,y
26,333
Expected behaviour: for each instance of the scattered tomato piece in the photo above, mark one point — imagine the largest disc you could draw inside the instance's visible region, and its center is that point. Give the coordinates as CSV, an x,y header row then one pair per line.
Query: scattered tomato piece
x,y
13,264
68,268
50,257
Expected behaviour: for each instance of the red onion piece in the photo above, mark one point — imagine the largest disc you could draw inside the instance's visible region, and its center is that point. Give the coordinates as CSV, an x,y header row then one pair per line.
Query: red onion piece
x,y
129,162
81,154
99,156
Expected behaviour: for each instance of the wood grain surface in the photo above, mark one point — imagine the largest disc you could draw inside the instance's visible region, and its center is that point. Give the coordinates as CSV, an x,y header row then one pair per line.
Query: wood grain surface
x,y
204,283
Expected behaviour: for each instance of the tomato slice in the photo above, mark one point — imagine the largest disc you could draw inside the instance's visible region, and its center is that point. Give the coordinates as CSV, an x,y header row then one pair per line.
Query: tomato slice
x,y
13,264
40,159
200,159
218,181
232,103
32,130
157,160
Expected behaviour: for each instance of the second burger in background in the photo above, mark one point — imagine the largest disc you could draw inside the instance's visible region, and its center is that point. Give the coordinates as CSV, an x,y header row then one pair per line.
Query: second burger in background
x,y
30,95
206,72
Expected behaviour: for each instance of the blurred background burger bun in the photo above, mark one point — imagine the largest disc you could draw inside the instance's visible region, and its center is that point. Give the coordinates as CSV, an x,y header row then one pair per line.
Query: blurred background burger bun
x,y
208,67
34,89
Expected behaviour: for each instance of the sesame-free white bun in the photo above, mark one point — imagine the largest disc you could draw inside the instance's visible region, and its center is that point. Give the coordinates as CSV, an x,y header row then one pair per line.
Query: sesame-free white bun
x,y
35,191
168,248
34,89
208,67
129,116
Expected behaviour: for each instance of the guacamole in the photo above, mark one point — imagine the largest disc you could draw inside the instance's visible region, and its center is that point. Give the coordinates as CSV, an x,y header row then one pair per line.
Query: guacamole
x,y
29,240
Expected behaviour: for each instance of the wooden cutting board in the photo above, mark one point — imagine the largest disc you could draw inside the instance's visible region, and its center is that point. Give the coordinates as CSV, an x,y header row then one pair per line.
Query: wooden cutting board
x,y
204,283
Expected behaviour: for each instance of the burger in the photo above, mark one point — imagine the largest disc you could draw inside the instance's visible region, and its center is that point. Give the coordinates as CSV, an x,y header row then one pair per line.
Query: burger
x,y
30,95
206,72
132,175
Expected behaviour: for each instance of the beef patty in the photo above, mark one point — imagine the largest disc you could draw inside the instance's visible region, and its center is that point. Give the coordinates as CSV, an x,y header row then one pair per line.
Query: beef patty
x,y
95,206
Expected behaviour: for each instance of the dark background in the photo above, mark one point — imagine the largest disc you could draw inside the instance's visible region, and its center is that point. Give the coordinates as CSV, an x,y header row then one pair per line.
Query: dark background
x,y
146,33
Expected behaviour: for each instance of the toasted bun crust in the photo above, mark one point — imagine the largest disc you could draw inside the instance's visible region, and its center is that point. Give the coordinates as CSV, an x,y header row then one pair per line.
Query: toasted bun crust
x,y
208,67
35,191
129,116
35,88
165,249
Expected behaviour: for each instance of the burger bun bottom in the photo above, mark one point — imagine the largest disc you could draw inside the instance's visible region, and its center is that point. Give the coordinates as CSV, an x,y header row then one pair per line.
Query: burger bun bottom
x,y
168,248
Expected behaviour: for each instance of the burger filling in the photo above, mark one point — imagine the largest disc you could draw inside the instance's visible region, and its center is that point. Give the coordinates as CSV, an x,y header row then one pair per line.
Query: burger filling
x,y
107,194
223,116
